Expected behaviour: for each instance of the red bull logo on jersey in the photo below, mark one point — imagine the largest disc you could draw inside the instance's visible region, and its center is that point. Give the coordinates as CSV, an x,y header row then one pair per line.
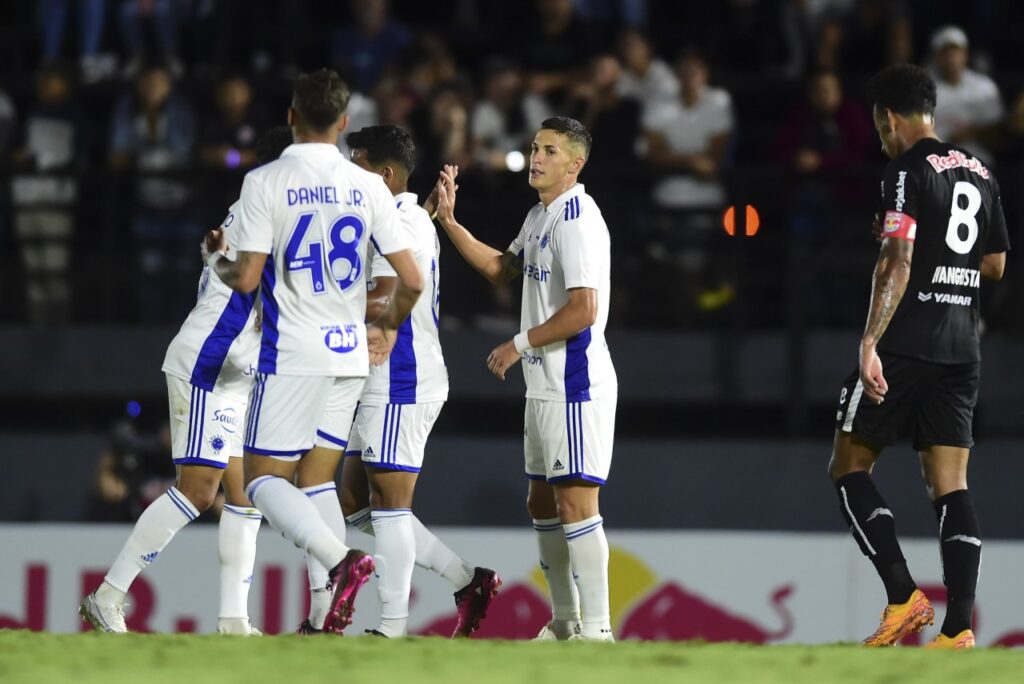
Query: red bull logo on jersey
x,y
957,160
342,339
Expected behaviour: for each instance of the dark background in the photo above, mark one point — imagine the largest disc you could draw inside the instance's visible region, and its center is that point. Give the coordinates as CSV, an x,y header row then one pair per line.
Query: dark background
x,y
730,350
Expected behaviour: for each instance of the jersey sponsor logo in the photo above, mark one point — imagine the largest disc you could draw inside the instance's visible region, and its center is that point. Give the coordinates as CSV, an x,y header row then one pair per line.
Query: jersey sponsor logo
x,y
957,160
901,190
227,419
342,339
943,298
544,241
217,443
955,275
536,272
532,359
899,225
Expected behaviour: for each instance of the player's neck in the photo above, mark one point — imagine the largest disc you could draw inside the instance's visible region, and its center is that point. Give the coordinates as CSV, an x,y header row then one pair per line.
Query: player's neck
x,y
549,196
917,133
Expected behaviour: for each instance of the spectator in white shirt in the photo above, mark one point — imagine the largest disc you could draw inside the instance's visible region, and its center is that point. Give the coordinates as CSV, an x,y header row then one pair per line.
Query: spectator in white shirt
x,y
968,101
508,116
644,77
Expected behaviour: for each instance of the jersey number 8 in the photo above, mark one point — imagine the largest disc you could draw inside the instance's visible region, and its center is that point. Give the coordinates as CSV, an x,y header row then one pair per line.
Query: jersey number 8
x,y
963,216
343,259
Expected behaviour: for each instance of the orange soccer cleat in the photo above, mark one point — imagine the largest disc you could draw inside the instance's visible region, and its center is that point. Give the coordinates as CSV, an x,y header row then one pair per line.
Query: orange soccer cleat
x,y
964,639
899,620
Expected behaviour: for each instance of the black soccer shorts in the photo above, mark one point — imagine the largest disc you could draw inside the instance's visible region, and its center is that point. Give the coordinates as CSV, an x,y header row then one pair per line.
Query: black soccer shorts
x,y
932,403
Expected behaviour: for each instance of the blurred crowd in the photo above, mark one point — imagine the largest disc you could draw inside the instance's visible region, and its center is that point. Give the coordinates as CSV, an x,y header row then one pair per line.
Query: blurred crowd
x,y
125,126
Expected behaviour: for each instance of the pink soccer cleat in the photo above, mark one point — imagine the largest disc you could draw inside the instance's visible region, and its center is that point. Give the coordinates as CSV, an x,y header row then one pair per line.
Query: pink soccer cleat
x,y
348,576
473,599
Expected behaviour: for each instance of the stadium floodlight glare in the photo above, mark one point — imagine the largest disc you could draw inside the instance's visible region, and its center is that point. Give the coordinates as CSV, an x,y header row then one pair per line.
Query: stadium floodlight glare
x,y
515,161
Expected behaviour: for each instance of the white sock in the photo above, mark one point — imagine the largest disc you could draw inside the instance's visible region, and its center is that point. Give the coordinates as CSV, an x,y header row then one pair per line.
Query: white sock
x,y
294,515
588,549
361,520
395,557
325,498
154,530
554,561
431,553
236,548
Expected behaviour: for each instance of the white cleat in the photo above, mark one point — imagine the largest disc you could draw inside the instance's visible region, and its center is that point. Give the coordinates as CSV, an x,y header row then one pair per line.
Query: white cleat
x,y
104,617
606,638
561,630
237,627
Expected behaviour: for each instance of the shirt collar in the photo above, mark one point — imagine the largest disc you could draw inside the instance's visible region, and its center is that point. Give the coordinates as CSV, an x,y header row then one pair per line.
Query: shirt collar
x,y
560,200
406,198
311,150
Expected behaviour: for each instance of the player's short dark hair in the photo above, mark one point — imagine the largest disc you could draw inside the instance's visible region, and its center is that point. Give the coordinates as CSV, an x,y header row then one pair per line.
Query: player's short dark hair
x,y
383,144
320,97
903,88
272,143
572,129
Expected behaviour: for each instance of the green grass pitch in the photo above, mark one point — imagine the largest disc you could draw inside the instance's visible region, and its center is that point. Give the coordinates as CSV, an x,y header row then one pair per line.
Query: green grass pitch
x,y
184,659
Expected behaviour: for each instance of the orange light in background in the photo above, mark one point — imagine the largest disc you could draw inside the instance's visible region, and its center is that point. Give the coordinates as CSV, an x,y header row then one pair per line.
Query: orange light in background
x,y
751,224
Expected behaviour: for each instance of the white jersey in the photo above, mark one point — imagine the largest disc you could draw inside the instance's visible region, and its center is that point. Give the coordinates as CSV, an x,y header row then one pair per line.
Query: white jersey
x,y
415,372
314,212
217,345
565,246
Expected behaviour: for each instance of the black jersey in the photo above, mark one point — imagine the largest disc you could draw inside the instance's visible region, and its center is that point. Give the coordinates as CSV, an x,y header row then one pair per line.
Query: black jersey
x,y
948,203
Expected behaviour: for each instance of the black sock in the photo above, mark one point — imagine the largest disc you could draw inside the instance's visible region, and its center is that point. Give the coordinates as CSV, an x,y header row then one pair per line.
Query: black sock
x,y
873,527
960,543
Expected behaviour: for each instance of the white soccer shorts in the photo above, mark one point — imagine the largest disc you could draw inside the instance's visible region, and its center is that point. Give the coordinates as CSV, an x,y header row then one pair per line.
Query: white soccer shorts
x,y
206,427
565,441
393,436
286,412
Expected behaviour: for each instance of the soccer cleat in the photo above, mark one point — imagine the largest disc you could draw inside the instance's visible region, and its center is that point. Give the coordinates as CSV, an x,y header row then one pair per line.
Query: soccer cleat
x,y
473,599
550,631
237,627
963,640
606,638
376,633
104,617
307,628
348,576
899,620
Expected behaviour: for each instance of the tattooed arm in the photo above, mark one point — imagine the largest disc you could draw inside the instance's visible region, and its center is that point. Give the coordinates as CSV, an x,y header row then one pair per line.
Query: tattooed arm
x,y
890,282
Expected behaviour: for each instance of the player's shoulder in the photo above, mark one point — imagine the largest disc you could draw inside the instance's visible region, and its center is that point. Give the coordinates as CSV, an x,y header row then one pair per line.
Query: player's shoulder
x,y
580,207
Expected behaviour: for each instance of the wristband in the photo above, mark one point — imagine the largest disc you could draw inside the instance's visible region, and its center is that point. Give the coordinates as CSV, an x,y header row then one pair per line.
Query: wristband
x,y
214,258
522,342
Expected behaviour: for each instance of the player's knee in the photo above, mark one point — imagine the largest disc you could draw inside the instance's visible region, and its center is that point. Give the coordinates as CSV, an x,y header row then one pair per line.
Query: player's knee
x,y
201,494
541,507
352,504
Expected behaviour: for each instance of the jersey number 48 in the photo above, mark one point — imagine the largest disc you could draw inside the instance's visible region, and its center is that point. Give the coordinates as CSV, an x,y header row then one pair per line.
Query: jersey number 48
x,y
343,260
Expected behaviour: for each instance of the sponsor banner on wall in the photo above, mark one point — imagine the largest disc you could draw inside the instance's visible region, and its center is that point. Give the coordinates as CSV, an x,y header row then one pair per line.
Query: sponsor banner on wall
x,y
717,586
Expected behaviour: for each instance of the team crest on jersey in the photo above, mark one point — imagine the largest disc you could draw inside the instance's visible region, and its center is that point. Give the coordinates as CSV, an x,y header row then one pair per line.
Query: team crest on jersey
x,y
342,339
228,221
217,443
227,419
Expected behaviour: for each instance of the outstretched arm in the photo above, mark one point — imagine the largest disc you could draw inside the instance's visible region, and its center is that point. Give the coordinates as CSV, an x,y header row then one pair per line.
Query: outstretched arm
x,y
892,272
498,267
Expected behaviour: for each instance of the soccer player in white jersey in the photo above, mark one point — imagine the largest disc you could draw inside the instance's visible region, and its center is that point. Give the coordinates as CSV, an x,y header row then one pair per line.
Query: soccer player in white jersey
x,y
209,365
304,223
400,402
563,251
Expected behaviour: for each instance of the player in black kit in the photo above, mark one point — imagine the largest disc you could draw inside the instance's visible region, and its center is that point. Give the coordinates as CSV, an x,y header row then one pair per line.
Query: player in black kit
x,y
942,232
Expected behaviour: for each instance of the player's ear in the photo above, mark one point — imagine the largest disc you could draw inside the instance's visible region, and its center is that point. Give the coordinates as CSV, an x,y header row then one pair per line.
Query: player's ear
x,y
291,117
342,123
